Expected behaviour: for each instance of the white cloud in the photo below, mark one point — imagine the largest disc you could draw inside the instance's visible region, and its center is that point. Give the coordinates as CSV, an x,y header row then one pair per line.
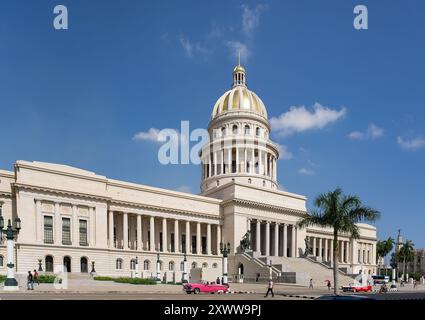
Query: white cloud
x,y
184,188
372,132
236,47
251,17
190,48
411,144
299,119
306,171
151,135
284,153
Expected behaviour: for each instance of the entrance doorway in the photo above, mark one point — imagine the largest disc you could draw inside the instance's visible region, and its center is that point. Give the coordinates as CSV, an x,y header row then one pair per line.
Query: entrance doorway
x,y
67,264
84,265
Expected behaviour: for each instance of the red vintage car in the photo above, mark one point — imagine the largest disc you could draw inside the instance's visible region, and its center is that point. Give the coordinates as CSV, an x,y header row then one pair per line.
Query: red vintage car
x,y
204,287
357,288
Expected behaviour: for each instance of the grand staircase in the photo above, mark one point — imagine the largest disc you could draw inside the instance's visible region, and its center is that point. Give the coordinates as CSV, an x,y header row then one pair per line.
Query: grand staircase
x,y
289,270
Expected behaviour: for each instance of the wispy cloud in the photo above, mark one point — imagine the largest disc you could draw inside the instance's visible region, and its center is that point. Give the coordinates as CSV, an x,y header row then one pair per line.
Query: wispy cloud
x,y
251,17
372,132
191,48
284,153
151,135
306,171
411,144
299,119
236,47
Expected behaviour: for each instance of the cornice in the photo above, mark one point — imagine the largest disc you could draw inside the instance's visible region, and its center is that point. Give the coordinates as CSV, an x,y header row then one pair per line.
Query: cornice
x,y
264,206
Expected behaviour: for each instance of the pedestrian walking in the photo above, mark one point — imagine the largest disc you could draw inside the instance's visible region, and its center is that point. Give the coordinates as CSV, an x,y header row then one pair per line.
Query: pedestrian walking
x,y
30,281
218,280
35,277
329,285
270,289
311,284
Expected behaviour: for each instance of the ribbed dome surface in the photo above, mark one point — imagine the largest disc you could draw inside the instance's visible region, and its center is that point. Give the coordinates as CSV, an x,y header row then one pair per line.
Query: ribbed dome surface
x,y
239,98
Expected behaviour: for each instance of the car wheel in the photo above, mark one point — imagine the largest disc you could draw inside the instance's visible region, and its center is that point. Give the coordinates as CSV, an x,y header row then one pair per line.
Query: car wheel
x,y
196,291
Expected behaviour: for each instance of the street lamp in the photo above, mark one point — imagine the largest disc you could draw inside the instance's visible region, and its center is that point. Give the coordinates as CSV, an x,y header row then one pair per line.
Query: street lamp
x,y
10,283
158,269
184,280
225,250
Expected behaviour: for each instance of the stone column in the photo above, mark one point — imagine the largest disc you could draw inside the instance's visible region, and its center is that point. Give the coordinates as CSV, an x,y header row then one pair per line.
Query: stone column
x,y
331,251
58,225
276,239
139,232
237,160
164,235
92,224
229,160
218,238
326,256
111,230
209,165
39,220
274,169
176,236
320,247
314,245
347,251
341,251
258,237
285,240
188,237
152,233
208,238
267,238
125,230
75,227
215,163
245,161
198,238
293,245
222,161
252,161
260,162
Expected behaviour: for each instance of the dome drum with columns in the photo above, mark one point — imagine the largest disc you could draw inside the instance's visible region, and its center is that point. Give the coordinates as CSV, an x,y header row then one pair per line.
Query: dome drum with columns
x,y
239,148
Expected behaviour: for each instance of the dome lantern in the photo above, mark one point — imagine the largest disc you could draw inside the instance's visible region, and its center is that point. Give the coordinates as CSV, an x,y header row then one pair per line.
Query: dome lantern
x,y
239,74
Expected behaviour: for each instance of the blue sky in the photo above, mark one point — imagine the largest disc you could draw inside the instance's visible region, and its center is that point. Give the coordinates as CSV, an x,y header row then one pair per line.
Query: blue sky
x,y
348,105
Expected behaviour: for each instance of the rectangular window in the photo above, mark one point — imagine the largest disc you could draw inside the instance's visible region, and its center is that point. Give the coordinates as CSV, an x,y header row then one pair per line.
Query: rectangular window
x,y
66,231
359,256
184,243
204,245
172,242
48,229
160,242
83,232
193,244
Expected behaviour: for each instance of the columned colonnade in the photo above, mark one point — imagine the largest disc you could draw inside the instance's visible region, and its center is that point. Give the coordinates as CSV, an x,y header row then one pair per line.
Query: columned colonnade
x,y
269,238
130,231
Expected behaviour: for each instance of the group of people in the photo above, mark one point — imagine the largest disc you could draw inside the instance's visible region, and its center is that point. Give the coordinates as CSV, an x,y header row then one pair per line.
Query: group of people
x,y
32,278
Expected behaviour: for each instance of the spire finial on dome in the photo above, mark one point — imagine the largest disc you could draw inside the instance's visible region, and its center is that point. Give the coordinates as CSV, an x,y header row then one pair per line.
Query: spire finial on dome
x,y
239,77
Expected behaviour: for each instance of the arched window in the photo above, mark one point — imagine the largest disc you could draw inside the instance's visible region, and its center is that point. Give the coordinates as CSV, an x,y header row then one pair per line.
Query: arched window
x,y
1,261
171,266
223,131
205,265
182,266
235,129
215,265
194,265
247,130
133,264
118,264
257,131
49,263
146,265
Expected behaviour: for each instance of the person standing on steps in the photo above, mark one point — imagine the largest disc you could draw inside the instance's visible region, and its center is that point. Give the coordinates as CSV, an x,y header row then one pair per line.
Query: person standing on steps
x,y
270,289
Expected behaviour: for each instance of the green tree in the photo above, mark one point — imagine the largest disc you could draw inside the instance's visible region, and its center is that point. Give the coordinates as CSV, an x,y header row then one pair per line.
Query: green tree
x,y
341,213
383,248
406,254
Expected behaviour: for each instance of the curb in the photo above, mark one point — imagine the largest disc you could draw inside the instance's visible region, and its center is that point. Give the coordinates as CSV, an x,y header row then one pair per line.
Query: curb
x,y
297,296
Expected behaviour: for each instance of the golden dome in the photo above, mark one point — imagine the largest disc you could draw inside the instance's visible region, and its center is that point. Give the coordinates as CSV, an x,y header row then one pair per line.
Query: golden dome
x,y
239,68
239,98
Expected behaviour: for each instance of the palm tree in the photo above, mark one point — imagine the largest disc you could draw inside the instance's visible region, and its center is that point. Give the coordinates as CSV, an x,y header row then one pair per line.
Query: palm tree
x,y
341,213
383,248
406,254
